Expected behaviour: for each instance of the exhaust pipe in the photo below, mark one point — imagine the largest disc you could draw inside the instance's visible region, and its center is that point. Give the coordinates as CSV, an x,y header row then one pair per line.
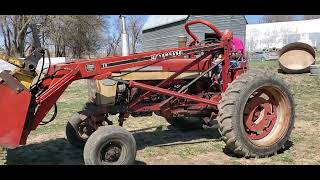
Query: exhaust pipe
x,y
124,38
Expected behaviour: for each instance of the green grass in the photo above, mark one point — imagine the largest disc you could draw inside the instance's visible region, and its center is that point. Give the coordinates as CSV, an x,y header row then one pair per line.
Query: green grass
x,y
71,101
267,65
285,158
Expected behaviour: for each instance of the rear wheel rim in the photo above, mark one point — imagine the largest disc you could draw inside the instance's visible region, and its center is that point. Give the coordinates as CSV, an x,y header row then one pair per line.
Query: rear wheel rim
x,y
266,116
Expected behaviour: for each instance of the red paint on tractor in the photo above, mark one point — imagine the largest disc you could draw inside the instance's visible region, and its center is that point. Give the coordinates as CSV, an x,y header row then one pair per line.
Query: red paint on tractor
x,y
14,110
261,117
172,93
59,76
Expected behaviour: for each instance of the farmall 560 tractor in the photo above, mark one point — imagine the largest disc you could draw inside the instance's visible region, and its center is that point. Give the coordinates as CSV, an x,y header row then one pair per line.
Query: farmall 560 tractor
x,y
254,109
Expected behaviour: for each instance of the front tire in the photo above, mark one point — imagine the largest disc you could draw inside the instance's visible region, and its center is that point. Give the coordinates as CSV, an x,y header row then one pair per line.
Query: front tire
x,y
74,131
256,114
110,145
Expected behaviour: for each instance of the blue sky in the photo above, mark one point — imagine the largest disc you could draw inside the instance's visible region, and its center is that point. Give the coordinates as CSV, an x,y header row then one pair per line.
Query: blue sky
x,y
253,19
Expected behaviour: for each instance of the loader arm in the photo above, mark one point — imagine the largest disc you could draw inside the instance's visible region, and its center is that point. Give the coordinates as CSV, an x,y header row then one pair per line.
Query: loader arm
x,y
45,94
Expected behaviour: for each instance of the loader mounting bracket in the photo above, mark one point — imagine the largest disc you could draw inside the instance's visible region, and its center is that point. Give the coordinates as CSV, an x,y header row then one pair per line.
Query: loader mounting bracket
x,y
12,82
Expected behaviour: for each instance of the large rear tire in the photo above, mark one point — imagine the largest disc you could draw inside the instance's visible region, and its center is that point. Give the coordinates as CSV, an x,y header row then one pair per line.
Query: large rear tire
x,y
256,114
110,145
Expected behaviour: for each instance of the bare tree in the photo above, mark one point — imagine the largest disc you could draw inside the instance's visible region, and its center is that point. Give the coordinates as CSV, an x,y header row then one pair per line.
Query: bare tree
x,y
270,40
78,33
252,41
276,18
285,34
307,17
114,44
56,33
14,30
84,34
135,24
113,38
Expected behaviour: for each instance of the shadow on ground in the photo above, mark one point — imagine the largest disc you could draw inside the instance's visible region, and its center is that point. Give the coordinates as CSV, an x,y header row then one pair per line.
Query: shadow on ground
x,y
58,151
287,146
53,152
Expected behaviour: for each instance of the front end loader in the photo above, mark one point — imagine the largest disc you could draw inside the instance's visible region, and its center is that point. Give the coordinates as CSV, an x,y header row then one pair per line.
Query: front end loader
x,y
254,109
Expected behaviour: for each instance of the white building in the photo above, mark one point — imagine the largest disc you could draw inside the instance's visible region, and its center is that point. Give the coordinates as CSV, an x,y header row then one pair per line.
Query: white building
x,y
269,35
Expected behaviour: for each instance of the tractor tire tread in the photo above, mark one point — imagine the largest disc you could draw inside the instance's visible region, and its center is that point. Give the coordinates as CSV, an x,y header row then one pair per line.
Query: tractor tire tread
x,y
225,116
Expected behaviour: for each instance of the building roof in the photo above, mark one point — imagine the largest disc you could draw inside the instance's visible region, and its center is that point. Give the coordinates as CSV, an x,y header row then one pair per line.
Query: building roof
x,y
161,20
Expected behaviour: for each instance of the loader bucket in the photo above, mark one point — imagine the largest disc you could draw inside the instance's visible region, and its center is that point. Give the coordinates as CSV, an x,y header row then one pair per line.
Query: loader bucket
x,y
14,104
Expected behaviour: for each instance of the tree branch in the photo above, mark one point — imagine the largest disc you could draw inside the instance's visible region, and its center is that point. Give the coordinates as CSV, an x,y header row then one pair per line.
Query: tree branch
x,y
24,26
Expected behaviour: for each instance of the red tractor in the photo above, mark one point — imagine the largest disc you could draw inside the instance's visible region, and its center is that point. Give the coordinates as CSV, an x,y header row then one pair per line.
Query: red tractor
x,y
254,109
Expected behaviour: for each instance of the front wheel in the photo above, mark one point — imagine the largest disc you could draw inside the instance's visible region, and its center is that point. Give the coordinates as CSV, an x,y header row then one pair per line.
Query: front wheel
x,y
75,131
110,145
256,114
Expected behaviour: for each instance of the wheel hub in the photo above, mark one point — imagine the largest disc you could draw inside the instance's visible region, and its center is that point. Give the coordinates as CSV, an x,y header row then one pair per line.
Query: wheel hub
x,y
112,152
261,116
